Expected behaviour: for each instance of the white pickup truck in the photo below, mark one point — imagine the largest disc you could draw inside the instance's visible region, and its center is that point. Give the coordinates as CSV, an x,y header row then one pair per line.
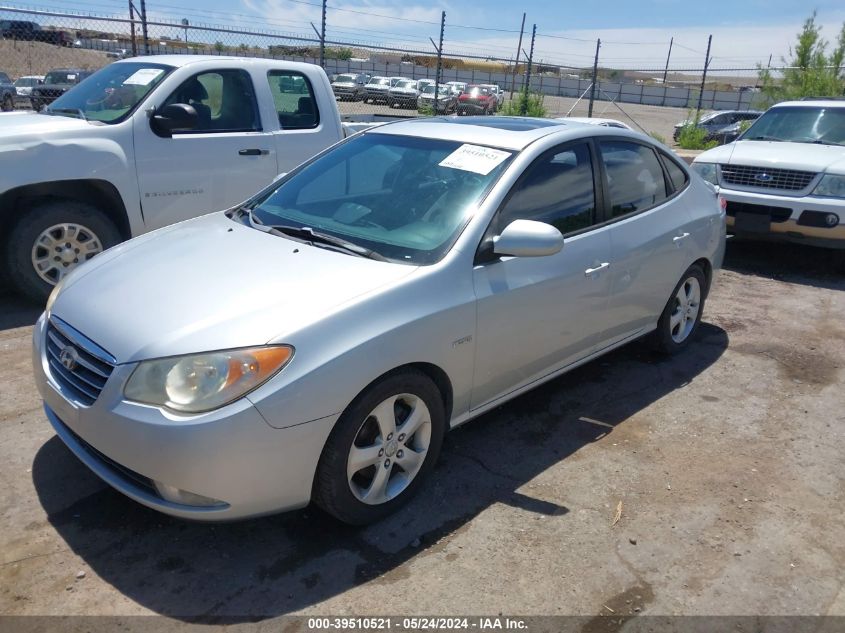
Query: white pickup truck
x,y
147,142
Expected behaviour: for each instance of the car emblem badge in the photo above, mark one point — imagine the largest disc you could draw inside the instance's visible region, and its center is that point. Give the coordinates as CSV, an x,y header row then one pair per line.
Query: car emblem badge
x,y
69,357
763,177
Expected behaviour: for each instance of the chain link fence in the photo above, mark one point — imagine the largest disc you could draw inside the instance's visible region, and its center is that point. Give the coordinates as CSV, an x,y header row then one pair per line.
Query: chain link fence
x,y
36,42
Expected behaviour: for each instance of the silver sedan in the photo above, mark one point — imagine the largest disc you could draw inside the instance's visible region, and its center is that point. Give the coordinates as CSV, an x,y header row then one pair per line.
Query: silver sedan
x,y
317,342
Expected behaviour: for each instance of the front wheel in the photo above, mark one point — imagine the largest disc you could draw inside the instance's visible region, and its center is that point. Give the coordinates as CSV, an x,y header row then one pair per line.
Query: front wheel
x,y
382,448
8,104
682,315
51,239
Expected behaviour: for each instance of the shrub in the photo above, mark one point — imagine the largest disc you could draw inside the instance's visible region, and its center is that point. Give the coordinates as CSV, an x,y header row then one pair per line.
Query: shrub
x,y
426,109
525,104
693,137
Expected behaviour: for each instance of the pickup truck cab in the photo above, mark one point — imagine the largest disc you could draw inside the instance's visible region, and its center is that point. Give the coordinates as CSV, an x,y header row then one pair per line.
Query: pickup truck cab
x,y
147,142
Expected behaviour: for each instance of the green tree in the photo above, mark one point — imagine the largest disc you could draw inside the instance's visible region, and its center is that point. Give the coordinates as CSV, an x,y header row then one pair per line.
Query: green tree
x,y
219,46
811,71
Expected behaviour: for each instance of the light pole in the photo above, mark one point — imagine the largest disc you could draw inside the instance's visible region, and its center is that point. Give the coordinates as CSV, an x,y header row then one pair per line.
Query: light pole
x,y
185,25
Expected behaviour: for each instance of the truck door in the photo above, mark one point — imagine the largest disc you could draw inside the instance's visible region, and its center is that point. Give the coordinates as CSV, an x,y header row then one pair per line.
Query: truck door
x,y
226,159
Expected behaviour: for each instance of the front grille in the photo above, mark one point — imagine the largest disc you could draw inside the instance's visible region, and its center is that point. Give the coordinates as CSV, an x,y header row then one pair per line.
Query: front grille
x,y
88,374
777,214
765,178
120,470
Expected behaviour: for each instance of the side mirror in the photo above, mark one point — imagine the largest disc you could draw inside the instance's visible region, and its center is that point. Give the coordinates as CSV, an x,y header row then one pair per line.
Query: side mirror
x,y
528,238
176,117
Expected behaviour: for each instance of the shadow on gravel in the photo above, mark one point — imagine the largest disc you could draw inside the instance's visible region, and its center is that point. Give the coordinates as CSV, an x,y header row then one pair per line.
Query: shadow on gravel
x,y
252,570
16,311
794,263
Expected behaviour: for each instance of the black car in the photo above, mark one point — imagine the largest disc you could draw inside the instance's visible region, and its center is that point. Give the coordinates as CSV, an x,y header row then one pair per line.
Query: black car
x,y
7,93
32,32
721,126
56,83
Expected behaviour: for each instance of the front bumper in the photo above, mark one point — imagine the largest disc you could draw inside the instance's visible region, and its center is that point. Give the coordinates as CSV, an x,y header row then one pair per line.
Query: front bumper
x,y
796,219
469,107
231,455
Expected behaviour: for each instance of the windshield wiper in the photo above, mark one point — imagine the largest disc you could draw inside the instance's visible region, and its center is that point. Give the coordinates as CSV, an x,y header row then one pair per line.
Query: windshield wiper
x,y
819,141
761,138
307,234
76,111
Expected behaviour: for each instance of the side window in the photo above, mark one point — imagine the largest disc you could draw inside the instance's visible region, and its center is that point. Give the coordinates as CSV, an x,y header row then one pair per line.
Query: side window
x,y
557,189
677,175
294,99
634,177
224,100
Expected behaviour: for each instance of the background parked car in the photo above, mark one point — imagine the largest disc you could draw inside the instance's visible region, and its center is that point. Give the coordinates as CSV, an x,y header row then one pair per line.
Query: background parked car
x,y
404,94
350,86
378,87
24,85
477,100
718,125
56,83
446,101
457,87
32,31
7,93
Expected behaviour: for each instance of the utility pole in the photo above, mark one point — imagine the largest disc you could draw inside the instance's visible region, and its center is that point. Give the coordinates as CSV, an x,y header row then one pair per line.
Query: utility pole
x,y
439,61
144,27
595,79
323,38
530,60
666,70
703,76
185,25
132,29
518,49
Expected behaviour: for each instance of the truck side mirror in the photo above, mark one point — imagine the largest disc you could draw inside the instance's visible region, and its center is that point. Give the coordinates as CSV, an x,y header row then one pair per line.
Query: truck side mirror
x,y
176,117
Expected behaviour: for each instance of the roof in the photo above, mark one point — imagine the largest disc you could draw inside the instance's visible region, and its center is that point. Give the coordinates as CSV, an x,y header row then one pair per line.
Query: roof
x,y
185,60
514,133
812,103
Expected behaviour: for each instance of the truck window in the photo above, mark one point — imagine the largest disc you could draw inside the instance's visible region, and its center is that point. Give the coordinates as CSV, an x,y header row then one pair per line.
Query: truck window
x,y
294,99
224,100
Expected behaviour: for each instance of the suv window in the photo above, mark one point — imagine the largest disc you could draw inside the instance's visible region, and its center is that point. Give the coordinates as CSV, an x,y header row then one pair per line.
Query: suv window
x,y
677,175
294,99
4,79
224,100
557,189
634,177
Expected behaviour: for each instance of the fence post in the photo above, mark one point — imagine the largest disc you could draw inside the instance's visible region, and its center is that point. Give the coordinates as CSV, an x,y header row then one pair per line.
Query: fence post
x,y
144,27
595,79
516,61
527,87
704,76
666,70
439,60
323,39
132,29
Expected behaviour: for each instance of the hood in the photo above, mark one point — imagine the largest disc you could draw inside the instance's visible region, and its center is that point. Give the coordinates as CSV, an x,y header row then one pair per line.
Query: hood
x,y
777,154
345,84
211,283
31,125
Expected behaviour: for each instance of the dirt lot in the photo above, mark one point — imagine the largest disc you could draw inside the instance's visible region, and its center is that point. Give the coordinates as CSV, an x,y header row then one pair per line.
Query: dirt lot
x,y
727,460
37,58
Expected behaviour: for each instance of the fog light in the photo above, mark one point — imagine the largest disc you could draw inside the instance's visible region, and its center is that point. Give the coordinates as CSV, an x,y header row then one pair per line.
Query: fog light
x,y
831,219
183,497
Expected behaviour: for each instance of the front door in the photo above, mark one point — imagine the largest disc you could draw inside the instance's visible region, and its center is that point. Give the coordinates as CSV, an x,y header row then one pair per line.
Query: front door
x,y
225,160
537,315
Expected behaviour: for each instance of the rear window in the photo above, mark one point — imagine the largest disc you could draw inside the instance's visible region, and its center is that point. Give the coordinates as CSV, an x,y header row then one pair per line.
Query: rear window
x,y
676,174
634,177
294,100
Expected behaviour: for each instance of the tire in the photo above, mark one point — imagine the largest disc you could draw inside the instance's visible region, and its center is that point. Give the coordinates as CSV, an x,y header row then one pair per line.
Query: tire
x,y
94,233
381,486
8,104
679,323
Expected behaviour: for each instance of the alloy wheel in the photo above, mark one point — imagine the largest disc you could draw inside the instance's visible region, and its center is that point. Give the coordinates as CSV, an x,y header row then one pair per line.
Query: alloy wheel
x,y
61,248
685,313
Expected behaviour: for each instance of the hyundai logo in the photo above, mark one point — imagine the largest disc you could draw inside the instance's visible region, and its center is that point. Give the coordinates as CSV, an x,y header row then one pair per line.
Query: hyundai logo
x,y
69,357
763,177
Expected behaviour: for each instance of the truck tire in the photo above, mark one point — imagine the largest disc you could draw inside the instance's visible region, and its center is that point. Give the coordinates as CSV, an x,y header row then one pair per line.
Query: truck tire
x,y
52,238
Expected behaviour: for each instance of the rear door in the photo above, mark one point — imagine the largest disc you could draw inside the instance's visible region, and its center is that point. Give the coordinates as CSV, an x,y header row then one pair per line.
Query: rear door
x,y
226,159
650,234
539,314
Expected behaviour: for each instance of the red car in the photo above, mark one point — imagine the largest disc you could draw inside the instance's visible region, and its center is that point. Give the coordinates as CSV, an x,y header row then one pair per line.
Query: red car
x,y
477,100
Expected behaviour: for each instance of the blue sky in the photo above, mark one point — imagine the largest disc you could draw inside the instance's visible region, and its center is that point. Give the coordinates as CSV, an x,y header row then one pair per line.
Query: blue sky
x,y
635,33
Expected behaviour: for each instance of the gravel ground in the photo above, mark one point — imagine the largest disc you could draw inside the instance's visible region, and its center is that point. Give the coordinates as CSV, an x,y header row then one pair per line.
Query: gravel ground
x,y
726,460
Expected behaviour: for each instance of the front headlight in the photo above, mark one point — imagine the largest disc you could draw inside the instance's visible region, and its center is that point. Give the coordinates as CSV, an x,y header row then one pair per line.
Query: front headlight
x,y
202,382
706,171
830,186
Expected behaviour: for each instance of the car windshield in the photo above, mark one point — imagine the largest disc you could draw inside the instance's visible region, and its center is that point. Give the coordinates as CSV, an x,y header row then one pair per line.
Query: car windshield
x,y
112,93
800,124
477,91
406,83
26,82
379,81
61,77
405,198
345,79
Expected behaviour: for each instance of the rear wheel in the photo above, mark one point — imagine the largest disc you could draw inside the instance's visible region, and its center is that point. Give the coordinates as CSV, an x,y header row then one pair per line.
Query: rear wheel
x,y
682,315
51,239
382,448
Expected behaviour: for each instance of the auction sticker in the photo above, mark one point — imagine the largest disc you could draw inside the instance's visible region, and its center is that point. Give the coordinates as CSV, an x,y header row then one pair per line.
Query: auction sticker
x,y
474,158
142,77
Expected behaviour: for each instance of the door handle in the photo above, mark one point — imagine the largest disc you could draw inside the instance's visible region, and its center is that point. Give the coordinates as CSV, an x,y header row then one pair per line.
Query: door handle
x,y
678,238
598,268
253,152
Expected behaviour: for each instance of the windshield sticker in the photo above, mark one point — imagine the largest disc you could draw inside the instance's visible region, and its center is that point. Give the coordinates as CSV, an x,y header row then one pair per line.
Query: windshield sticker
x,y
474,158
142,77
71,77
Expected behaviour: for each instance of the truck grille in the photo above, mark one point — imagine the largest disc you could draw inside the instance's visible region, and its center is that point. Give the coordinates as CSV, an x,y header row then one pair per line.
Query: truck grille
x,y
765,178
79,368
